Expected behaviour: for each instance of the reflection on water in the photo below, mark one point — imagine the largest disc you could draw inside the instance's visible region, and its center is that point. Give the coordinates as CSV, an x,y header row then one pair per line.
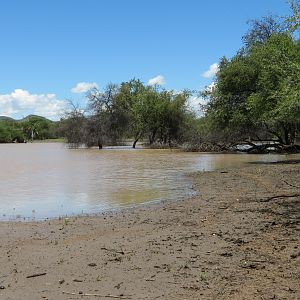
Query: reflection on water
x,y
48,180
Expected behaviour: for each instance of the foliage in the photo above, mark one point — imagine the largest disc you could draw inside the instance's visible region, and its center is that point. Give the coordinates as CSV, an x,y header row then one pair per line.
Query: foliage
x,y
130,110
276,103
36,127
27,129
257,92
262,29
293,21
73,126
10,131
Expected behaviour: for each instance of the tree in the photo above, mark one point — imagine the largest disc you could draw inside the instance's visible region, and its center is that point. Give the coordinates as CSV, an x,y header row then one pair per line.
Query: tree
x,y
227,101
108,120
150,111
276,103
11,131
257,93
36,127
293,21
129,102
73,126
160,114
262,29
174,116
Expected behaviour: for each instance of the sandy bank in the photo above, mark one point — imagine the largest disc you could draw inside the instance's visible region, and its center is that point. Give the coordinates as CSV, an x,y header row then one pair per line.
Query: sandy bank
x,y
231,242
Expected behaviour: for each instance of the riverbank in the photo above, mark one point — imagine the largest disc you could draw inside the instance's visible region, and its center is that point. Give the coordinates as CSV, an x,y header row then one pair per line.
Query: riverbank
x,y
237,240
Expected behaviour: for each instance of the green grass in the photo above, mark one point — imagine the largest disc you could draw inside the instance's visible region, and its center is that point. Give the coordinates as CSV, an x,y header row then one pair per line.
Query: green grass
x,y
58,140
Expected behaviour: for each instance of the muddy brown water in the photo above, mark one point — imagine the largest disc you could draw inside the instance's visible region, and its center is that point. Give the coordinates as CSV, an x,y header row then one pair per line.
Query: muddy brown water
x,y
39,181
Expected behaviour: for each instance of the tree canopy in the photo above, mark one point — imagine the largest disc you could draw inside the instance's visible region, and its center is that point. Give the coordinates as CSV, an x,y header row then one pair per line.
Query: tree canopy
x,y
257,92
131,110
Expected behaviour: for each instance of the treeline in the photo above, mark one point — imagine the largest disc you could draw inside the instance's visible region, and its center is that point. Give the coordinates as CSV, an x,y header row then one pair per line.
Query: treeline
x,y
130,110
28,129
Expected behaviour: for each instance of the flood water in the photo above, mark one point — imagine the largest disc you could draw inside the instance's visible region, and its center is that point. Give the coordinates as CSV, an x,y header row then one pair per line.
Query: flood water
x,y
39,181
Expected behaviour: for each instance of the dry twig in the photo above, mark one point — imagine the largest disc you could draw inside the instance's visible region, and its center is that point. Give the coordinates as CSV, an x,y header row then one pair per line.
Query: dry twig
x,y
36,275
98,295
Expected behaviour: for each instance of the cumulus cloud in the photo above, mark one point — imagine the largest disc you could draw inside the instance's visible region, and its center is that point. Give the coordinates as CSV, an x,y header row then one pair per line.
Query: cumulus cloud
x,y
83,87
212,71
160,80
21,103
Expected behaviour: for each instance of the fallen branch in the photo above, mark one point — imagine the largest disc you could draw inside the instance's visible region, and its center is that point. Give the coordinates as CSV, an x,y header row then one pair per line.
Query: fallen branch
x,y
36,275
280,196
97,295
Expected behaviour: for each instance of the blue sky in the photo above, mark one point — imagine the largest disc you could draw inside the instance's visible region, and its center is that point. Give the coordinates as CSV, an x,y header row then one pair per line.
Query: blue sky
x,y
49,46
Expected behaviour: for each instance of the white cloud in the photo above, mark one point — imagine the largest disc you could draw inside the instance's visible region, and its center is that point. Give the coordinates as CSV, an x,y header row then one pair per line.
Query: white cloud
x,y
21,103
83,87
210,87
160,80
196,102
212,71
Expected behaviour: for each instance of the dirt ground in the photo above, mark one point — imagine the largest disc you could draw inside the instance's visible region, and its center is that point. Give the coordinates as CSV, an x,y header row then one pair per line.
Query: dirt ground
x,y
232,241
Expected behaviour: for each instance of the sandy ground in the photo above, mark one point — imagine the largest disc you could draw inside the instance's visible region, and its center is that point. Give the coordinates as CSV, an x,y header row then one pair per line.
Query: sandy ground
x,y
230,242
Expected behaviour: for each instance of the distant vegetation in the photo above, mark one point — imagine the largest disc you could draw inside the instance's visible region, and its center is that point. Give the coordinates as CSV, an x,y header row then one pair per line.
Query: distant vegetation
x,y
28,129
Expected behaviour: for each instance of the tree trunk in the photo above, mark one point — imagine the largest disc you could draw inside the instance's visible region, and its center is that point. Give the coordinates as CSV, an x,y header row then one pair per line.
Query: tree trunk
x,y
134,143
286,136
152,136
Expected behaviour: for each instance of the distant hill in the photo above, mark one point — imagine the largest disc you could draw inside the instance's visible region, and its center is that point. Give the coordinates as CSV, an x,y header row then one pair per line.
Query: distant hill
x,y
34,117
4,118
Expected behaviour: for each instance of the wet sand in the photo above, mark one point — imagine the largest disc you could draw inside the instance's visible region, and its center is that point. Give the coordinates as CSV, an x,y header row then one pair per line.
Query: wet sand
x,y
232,241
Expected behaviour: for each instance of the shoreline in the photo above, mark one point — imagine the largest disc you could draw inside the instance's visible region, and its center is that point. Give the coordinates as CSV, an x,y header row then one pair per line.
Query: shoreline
x,y
232,241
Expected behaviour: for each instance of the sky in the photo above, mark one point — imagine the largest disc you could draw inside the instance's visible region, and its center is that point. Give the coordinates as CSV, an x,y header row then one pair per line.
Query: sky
x,y
53,51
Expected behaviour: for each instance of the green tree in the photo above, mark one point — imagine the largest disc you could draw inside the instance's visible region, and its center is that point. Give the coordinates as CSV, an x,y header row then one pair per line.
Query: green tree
x,y
257,93
293,21
73,126
129,103
276,102
108,120
10,131
227,102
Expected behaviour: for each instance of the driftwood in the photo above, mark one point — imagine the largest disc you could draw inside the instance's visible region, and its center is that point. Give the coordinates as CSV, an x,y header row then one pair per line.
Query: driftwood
x,y
246,146
280,196
98,295
268,147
